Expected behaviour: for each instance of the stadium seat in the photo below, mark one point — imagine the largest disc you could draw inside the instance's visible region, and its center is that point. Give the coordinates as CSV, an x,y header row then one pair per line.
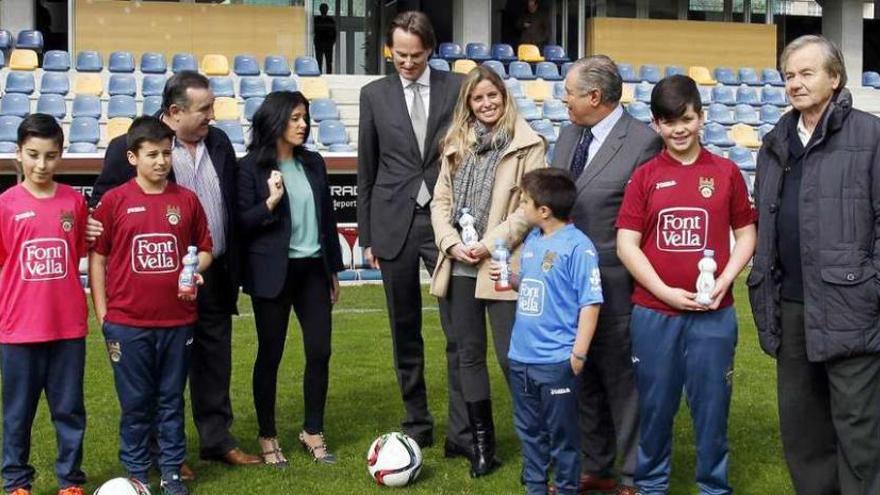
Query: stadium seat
x,y
86,106
386,53
724,95
56,61
642,92
284,84
478,52
764,129
450,51
88,84
314,87
529,53
774,96
748,75
183,61
250,107
558,90
117,127
672,70
497,66
30,39
20,82
721,114
628,73
23,59
714,133
2,60
122,84
551,149
745,135
6,40
503,52
226,108
306,67
332,132
554,110
746,114
547,71
742,157
715,150
748,95
701,75
51,104
276,65
772,77
565,68
121,106
151,105
214,64
627,94
555,54
323,109
15,104
515,88
463,66
233,130
538,90
521,71
121,62
89,61
54,83
251,86
527,109
871,79
153,84
84,130
153,63
726,76
544,128
9,128
75,148
246,65
222,86
770,114
640,110
650,73
705,94
439,64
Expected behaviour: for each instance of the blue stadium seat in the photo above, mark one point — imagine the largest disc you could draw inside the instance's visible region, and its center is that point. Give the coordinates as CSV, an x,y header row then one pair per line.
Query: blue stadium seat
x,y
555,54
871,79
565,68
7,42
715,150
628,73
672,70
250,107
748,95
770,114
246,65
183,61
2,60
251,86
56,61
774,96
726,76
233,130
15,104
554,110
332,132
20,82
527,109
640,110
306,66
153,63
520,70
51,104
121,62
650,73
547,71
222,86
450,51
742,157
551,150
89,61
764,129
746,114
438,64
121,106
514,88
86,106
30,39
772,77
724,95
503,52
544,128
284,84
276,65
122,84
642,92
84,130
498,67
75,148
705,95
716,134
9,128
559,90
721,114
153,85
748,75
151,105
323,109
478,52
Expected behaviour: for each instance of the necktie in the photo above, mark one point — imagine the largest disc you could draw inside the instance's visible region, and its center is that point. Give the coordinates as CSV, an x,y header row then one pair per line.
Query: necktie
x,y
420,128
581,153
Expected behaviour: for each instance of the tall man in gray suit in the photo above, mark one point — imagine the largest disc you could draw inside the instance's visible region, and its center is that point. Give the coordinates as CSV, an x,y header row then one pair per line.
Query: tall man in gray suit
x,y
602,149
402,118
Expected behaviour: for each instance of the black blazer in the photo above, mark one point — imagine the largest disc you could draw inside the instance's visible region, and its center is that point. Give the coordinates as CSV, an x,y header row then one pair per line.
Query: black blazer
x,y
266,234
117,171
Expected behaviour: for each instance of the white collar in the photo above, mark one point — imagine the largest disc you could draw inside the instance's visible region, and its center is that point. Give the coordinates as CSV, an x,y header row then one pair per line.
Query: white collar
x,y
424,79
803,133
602,128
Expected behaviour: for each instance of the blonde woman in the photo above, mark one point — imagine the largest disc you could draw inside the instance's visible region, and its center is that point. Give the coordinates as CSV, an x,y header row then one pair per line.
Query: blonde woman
x,y
486,151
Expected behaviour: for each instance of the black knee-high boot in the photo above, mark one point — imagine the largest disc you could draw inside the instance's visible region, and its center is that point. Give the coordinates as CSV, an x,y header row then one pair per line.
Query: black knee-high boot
x,y
483,459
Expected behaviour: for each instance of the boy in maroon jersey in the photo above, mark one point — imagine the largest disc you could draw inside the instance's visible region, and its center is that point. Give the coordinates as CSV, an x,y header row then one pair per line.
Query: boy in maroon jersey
x,y
148,224
678,207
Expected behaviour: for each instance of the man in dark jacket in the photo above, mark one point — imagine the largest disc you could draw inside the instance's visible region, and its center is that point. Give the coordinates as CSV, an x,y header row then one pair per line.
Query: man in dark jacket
x,y
325,38
813,286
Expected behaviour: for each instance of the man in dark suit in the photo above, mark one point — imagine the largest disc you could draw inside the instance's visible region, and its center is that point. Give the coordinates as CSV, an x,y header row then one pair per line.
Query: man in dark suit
x,y
602,149
203,161
402,118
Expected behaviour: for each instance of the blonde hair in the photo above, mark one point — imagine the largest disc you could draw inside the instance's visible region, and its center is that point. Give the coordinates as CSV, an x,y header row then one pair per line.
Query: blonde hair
x,y
461,134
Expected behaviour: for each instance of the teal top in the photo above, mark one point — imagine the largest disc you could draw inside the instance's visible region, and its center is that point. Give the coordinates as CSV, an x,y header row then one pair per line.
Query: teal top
x,y
304,242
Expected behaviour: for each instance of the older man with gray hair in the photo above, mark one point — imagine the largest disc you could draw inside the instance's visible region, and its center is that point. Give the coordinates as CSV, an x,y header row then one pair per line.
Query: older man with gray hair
x,y
814,284
601,149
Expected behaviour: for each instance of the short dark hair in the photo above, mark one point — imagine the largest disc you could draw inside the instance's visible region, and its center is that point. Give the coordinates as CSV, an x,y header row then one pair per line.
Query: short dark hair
x,y
146,128
176,86
413,22
40,125
553,188
672,95
270,122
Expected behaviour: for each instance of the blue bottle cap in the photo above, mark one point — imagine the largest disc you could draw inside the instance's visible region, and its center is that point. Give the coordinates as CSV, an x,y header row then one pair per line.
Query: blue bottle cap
x,y
709,253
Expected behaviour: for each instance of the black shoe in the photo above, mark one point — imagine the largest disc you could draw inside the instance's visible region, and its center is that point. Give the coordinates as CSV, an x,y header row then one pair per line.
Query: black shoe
x,y
452,450
483,460
425,440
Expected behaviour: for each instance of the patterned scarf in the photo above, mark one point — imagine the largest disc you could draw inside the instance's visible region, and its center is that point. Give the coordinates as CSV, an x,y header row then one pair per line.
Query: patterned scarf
x,y
474,179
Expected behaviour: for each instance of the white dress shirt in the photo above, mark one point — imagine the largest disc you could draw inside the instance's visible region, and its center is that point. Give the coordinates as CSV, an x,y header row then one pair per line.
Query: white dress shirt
x,y
424,89
601,131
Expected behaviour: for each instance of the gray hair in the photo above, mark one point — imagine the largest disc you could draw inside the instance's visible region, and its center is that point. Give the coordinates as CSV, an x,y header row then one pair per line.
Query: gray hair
x,y
833,59
599,72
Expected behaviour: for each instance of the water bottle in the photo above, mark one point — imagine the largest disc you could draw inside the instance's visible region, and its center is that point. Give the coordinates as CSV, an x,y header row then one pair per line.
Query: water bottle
x,y
501,255
706,279
186,284
466,221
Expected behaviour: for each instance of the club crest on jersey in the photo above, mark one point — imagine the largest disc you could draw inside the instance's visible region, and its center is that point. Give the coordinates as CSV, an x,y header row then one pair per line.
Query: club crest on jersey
x,y
547,262
114,350
707,187
66,221
173,214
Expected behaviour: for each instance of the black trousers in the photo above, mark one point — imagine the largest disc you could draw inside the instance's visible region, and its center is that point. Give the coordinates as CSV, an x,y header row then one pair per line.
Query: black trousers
x,y
468,328
307,291
829,416
325,52
403,295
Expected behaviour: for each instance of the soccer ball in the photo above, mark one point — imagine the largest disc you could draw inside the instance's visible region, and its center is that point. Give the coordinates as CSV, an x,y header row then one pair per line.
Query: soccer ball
x,y
394,459
122,486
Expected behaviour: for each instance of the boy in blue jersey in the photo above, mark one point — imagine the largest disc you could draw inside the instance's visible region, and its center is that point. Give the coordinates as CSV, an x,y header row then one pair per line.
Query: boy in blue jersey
x,y
559,296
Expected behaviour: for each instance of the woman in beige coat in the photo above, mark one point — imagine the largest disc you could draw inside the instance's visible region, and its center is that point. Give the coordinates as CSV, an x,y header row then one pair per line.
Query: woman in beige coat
x,y
486,151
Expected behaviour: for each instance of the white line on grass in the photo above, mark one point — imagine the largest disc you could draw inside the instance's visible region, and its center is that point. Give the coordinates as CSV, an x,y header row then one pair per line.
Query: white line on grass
x,y
349,311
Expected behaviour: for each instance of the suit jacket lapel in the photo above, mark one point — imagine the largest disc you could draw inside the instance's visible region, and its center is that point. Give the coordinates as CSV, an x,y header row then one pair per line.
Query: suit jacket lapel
x,y
566,150
397,104
438,100
606,152
211,150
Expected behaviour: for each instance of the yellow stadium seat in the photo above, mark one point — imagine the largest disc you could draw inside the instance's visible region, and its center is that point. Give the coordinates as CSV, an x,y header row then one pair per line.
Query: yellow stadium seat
x,y
117,126
463,66
538,90
314,87
88,84
215,65
386,52
701,75
226,109
529,53
23,60
628,94
745,135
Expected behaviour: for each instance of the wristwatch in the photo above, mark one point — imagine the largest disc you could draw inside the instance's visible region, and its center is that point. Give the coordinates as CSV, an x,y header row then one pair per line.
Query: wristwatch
x,y
579,357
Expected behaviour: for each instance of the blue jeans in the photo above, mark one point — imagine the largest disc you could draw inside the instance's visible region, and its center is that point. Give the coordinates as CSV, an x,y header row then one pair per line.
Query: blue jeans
x,y
27,370
545,412
150,367
694,351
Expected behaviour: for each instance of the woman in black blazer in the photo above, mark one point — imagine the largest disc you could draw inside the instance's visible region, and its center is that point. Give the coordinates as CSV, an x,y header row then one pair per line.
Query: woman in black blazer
x,y
291,257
